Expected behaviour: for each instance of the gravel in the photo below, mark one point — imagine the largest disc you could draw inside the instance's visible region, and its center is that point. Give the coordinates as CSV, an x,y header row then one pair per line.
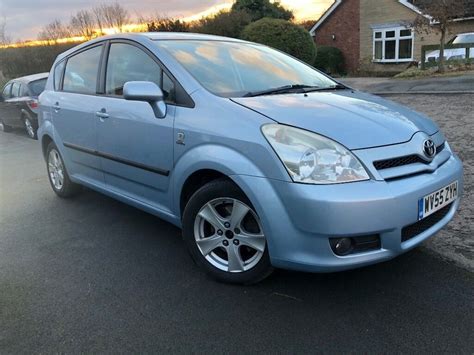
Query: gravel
x,y
455,116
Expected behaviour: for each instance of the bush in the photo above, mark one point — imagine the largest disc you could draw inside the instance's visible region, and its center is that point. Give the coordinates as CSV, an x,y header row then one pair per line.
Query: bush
x,y
16,62
224,23
329,60
282,35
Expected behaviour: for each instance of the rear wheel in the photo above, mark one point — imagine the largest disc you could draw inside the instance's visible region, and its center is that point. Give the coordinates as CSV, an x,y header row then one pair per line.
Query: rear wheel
x,y
224,235
30,127
58,176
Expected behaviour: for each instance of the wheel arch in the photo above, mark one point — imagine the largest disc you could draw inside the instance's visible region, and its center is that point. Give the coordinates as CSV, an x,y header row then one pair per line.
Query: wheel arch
x,y
45,141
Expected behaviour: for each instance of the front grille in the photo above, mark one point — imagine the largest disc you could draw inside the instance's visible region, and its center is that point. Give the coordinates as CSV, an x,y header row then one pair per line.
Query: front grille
x,y
419,227
406,160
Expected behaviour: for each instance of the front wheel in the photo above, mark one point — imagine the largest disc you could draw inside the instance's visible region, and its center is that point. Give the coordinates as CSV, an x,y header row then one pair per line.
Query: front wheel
x,y
224,234
5,127
58,176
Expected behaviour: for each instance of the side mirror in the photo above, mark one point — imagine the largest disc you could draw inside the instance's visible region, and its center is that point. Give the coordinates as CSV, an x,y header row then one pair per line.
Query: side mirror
x,y
146,91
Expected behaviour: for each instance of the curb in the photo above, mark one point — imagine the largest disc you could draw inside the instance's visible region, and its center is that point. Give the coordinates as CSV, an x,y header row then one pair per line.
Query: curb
x,y
384,93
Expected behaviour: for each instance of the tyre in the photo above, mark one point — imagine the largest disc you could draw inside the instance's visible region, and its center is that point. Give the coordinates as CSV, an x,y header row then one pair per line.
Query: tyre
x,y
224,235
5,128
57,174
30,127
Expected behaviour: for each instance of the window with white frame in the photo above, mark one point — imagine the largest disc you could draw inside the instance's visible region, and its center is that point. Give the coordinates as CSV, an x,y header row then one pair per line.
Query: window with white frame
x,y
394,44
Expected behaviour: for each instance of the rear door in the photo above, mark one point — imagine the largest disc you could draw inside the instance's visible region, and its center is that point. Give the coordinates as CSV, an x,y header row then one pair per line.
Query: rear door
x,y
136,147
74,116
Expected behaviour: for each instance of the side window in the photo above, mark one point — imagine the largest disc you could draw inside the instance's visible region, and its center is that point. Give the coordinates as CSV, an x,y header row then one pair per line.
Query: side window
x,y
7,92
168,88
58,71
16,90
24,90
82,71
129,63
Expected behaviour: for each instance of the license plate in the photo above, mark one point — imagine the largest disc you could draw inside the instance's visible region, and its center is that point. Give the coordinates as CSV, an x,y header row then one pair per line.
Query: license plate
x,y
437,200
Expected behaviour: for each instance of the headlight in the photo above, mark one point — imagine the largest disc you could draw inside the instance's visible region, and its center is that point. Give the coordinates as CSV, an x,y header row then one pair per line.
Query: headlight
x,y
313,159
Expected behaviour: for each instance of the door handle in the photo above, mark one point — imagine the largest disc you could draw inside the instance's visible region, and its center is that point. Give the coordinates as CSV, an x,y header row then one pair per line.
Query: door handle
x,y
102,114
56,107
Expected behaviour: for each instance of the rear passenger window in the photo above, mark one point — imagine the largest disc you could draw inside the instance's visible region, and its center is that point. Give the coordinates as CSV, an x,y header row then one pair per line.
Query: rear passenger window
x,y
129,63
82,71
58,71
16,90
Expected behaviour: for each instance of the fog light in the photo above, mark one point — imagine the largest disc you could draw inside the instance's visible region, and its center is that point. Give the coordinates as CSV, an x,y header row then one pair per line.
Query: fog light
x,y
341,246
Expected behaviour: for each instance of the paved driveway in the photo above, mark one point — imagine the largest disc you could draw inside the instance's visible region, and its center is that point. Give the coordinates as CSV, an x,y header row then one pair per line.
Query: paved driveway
x,y
94,275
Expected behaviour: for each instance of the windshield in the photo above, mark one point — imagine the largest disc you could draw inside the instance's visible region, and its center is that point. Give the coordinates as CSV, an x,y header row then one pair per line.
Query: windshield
x,y
464,38
232,69
37,87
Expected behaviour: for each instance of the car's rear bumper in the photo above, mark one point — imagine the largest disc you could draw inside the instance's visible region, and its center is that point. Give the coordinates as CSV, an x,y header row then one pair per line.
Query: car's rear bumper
x,y
299,219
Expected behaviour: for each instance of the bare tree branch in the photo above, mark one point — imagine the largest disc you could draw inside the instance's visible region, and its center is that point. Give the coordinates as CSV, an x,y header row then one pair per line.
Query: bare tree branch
x,y
83,24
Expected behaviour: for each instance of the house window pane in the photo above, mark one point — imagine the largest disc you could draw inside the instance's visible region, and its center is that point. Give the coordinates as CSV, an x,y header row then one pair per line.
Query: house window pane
x,y
405,33
378,34
390,49
389,34
378,50
404,49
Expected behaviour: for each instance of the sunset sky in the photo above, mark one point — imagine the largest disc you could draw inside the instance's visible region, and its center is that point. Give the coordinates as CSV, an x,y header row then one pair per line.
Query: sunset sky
x,y
25,18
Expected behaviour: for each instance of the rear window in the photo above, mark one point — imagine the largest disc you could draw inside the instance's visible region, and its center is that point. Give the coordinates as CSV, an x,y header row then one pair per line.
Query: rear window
x,y
37,87
464,38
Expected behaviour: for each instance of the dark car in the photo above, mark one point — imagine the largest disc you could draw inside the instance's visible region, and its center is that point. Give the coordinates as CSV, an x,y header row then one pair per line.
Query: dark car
x,y
19,103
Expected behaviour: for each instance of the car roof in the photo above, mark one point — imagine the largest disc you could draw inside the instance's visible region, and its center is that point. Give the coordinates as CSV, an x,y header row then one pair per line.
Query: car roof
x,y
154,36
30,78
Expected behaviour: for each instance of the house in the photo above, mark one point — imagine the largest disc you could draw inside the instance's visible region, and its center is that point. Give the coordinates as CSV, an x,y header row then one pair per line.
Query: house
x,y
375,35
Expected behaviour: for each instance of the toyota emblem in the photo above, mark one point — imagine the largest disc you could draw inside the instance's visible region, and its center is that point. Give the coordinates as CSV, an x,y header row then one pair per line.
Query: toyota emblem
x,y
429,148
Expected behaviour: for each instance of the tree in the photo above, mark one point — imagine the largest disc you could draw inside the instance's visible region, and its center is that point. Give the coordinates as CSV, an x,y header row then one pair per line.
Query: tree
x,y
83,24
258,9
4,37
224,23
113,16
282,35
439,15
162,24
54,31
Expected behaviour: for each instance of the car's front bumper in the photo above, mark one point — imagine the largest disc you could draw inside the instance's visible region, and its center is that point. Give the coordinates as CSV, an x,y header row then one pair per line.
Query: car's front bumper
x,y
299,219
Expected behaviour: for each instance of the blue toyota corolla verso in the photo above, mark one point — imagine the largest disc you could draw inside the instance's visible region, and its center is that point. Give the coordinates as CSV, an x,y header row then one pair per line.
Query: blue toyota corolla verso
x,y
262,160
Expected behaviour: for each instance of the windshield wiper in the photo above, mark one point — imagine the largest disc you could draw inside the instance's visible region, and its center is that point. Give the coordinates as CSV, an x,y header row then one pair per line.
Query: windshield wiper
x,y
282,90
329,88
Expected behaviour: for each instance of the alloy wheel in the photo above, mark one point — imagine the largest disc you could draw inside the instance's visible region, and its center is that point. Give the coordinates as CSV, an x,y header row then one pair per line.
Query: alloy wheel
x,y
229,235
56,169
29,128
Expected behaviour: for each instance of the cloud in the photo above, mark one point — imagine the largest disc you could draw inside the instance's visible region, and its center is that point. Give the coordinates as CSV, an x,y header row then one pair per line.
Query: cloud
x,y
26,17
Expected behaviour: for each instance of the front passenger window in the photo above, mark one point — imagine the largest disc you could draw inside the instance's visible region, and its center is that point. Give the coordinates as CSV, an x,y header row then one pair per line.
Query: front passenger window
x,y
7,92
129,63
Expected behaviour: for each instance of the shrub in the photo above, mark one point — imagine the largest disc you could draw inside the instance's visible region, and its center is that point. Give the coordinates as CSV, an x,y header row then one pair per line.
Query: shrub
x,y
224,23
282,35
329,60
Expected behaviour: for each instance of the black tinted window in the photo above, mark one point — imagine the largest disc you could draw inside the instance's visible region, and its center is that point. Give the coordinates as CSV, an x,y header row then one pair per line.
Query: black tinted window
x,y
16,90
7,92
37,87
129,63
82,71
58,71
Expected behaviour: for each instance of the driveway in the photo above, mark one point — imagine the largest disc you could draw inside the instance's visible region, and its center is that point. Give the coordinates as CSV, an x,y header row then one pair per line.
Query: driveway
x,y
94,275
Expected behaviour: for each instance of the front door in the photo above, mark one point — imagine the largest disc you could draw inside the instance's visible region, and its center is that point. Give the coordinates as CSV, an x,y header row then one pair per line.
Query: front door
x,y
136,148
